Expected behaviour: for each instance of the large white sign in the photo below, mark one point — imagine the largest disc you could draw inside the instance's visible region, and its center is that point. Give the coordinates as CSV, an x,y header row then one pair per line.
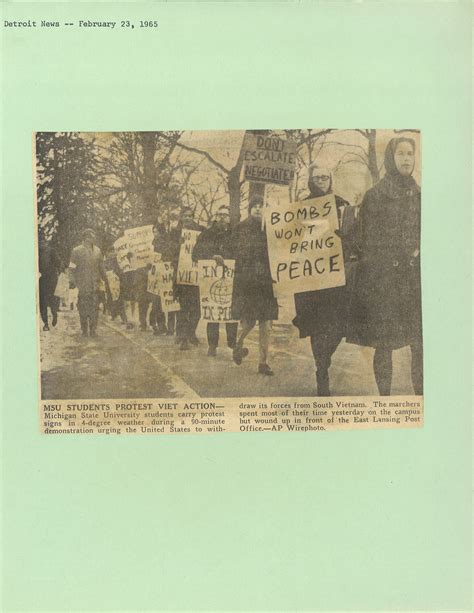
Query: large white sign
x,y
215,290
304,250
140,243
187,268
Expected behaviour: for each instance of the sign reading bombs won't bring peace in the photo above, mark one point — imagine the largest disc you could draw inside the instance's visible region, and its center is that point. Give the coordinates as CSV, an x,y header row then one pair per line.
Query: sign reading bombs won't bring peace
x,y
215,290
305,252
268,159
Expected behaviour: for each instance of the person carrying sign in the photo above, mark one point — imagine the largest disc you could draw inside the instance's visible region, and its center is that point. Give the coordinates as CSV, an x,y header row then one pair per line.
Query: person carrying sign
x,y
117,306
188,295
86,269
157,317
322,314
253,298
386,300
216,243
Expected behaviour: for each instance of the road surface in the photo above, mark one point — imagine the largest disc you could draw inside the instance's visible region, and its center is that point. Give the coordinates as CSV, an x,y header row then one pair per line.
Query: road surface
x,y
122,363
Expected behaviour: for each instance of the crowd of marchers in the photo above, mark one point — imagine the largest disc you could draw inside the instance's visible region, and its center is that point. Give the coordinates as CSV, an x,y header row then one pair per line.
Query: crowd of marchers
x,y
379,306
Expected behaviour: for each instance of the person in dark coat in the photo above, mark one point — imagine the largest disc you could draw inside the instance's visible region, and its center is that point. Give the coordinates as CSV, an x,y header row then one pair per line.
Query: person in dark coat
x,y
322,314
216,243
49,269
252,297
386,301
157,317
188,295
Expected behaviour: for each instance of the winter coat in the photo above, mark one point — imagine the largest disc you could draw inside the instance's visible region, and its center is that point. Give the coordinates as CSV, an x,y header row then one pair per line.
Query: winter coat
x,y
252,297
385,308
325,311
86,268
49,266
214,241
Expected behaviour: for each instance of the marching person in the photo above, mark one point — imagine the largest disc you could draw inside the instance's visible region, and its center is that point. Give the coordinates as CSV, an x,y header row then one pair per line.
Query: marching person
x,y
49,269
142,296
215,243
188,295
322,314
386,301
157,317
252,297
116,307
127,290
86,269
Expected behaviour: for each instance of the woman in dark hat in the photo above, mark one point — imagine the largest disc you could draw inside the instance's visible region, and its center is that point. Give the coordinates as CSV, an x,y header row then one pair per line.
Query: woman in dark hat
x,y
252,298
386,300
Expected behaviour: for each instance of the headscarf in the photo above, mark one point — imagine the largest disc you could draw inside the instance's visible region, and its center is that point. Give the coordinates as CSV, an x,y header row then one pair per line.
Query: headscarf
x,y
389,160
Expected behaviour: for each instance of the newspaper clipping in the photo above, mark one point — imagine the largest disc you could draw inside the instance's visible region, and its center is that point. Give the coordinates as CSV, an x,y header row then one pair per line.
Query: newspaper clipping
x,y
228,281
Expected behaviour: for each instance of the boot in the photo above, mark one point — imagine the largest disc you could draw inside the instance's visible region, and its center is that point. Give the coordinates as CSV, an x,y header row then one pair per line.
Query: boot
x,y
264,369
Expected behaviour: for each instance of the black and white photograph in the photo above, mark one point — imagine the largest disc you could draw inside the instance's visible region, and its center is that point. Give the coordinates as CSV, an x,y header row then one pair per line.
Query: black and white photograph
x,y
227,264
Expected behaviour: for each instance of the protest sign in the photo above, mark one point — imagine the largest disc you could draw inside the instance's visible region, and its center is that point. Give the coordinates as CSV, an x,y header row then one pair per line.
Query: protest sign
x,y
168,300
215,289
114,284
154,276
268,159
140,243
125,259
304,251
187,269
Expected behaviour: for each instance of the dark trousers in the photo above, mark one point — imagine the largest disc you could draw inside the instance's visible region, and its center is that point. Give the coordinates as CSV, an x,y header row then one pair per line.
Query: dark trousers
x,y
213,334
324,345
172,316
117,307
157,317
47,299
190,313
383,368
88,307
143,305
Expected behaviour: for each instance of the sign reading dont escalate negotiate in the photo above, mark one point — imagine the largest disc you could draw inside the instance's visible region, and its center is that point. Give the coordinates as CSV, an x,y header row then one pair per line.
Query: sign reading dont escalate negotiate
x,y
268,159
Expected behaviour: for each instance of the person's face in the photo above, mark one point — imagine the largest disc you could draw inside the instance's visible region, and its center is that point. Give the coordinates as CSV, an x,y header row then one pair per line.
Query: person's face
x,y
186,217
404,159
256,210
88,241
223,217
321,178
